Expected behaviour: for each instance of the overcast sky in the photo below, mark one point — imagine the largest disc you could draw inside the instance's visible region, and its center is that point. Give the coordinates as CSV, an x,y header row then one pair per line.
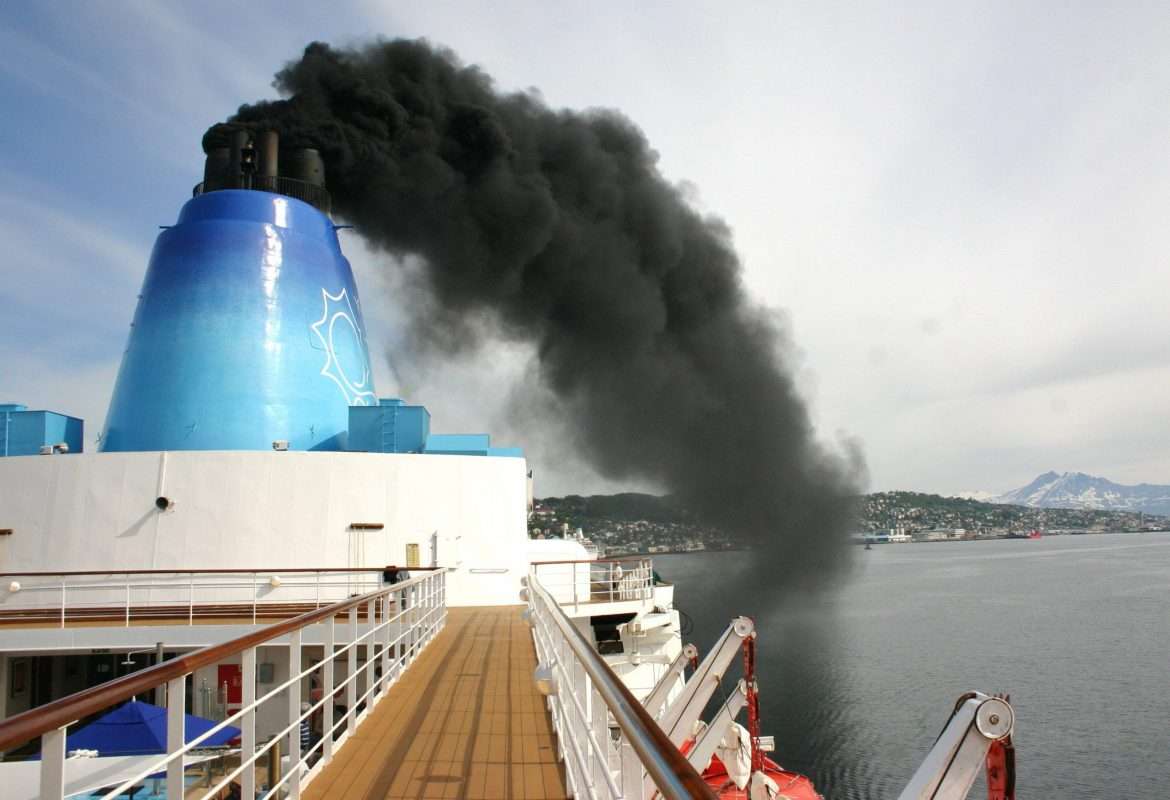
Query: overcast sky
x,y
960,210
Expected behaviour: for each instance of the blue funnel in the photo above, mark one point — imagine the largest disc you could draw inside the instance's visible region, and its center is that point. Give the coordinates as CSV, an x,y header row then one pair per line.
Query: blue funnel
x,y
248,331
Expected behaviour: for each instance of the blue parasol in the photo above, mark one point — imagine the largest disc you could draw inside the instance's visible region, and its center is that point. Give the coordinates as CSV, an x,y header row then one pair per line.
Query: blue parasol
x,y
141,729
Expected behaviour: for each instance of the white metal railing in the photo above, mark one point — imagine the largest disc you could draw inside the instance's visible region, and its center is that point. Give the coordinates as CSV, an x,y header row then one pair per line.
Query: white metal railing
x,y
124,597
610,746
611,581
399,621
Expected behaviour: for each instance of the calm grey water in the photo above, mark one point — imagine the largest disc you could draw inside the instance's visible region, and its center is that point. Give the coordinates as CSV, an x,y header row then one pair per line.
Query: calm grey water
x,y
856,684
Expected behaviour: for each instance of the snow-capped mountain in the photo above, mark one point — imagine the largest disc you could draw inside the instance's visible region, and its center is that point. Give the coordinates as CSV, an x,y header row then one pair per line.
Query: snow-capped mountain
x,y
1078,490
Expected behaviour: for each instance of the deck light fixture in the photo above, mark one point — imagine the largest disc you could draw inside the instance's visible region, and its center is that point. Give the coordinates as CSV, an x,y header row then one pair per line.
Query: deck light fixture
x,y
546,681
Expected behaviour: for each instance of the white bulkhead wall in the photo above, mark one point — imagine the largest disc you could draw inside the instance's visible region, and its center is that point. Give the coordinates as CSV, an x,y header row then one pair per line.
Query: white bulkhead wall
x,y
270,510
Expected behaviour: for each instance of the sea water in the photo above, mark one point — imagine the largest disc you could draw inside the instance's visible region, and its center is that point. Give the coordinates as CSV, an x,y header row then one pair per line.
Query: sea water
x,y
857,683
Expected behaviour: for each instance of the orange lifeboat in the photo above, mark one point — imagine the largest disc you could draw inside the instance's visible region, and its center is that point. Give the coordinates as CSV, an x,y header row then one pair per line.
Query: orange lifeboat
x,y
789,785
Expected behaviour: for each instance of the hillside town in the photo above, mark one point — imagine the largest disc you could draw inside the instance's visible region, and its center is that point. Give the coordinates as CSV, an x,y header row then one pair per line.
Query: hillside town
x,y
913,516
625,524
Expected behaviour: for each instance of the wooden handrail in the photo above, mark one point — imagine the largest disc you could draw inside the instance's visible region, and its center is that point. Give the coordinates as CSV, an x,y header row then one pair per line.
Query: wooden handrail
x,y
35,722
225,571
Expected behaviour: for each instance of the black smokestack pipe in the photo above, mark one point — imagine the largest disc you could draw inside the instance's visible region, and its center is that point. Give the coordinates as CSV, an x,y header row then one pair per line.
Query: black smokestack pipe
x,y
269,147
559,226
305,164
239,147
217,169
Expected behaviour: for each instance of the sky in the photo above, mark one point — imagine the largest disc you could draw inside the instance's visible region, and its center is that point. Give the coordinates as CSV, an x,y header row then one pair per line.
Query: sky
x,y
956,210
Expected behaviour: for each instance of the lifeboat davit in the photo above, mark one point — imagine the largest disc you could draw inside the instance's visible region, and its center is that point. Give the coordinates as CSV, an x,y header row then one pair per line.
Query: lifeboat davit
x,y
755,776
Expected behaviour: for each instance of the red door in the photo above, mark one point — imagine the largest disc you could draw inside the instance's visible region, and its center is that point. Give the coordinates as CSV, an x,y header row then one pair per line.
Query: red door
x,y
230,675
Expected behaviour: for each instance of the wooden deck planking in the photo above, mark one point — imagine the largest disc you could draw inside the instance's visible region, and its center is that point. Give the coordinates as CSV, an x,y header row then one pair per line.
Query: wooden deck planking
x,y
464,722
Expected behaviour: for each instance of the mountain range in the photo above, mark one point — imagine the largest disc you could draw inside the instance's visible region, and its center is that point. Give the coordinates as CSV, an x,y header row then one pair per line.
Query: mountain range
x,y
1081,491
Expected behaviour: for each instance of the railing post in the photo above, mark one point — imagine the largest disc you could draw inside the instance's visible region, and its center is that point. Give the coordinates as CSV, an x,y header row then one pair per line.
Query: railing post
x,y
53,765
385,642
176,708
327,690
191,601
371,639
294,713
403,629
351,673
583,690
393,606
248,722
428,590
253,598
632,780
600,734
62,603
411,623
375,656
588,724
421,617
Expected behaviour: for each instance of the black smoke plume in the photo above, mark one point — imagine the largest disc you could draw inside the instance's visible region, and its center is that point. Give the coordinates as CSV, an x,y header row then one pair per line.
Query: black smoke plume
x,y
559,226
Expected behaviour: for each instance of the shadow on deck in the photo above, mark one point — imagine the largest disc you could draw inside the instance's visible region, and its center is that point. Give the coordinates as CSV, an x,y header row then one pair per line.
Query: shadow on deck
x,y
465,721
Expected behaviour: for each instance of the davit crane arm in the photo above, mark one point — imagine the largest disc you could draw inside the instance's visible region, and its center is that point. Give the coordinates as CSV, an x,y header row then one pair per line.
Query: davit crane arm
x,y
978,734
679,719
657,697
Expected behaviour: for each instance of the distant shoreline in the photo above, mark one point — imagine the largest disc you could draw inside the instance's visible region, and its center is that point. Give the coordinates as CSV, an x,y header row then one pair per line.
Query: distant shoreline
x,y
738,549
742,548
1019,538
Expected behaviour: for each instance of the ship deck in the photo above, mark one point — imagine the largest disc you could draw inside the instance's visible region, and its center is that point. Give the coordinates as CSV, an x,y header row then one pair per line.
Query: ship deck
x,y
464,721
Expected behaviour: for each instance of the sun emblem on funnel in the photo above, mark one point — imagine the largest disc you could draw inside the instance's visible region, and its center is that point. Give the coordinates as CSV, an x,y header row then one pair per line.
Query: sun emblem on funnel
x,y
344,343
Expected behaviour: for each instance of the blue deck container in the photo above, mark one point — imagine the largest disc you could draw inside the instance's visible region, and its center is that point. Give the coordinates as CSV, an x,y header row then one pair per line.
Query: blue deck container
x,y
24,432
389,427
459,444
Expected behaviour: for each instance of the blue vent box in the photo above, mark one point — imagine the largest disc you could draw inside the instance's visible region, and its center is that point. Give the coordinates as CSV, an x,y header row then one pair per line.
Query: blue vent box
x,y
24,432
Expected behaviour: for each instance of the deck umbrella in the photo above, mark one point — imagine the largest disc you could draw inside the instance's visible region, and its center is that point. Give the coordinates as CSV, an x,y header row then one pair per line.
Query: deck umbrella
x,y
138,728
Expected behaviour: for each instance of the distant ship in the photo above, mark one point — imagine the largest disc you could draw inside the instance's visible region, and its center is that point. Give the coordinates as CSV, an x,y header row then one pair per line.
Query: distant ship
x,y
265,542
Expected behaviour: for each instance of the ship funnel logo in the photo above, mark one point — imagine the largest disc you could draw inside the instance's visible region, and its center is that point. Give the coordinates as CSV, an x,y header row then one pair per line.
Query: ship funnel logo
x,y
344,343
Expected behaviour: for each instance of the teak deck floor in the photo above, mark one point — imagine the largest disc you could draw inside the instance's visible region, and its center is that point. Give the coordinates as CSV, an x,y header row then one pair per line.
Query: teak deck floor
x,y
465,721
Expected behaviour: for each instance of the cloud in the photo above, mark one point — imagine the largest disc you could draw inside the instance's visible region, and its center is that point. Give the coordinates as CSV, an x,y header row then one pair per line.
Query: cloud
x,y
52,72
68,299
995,174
